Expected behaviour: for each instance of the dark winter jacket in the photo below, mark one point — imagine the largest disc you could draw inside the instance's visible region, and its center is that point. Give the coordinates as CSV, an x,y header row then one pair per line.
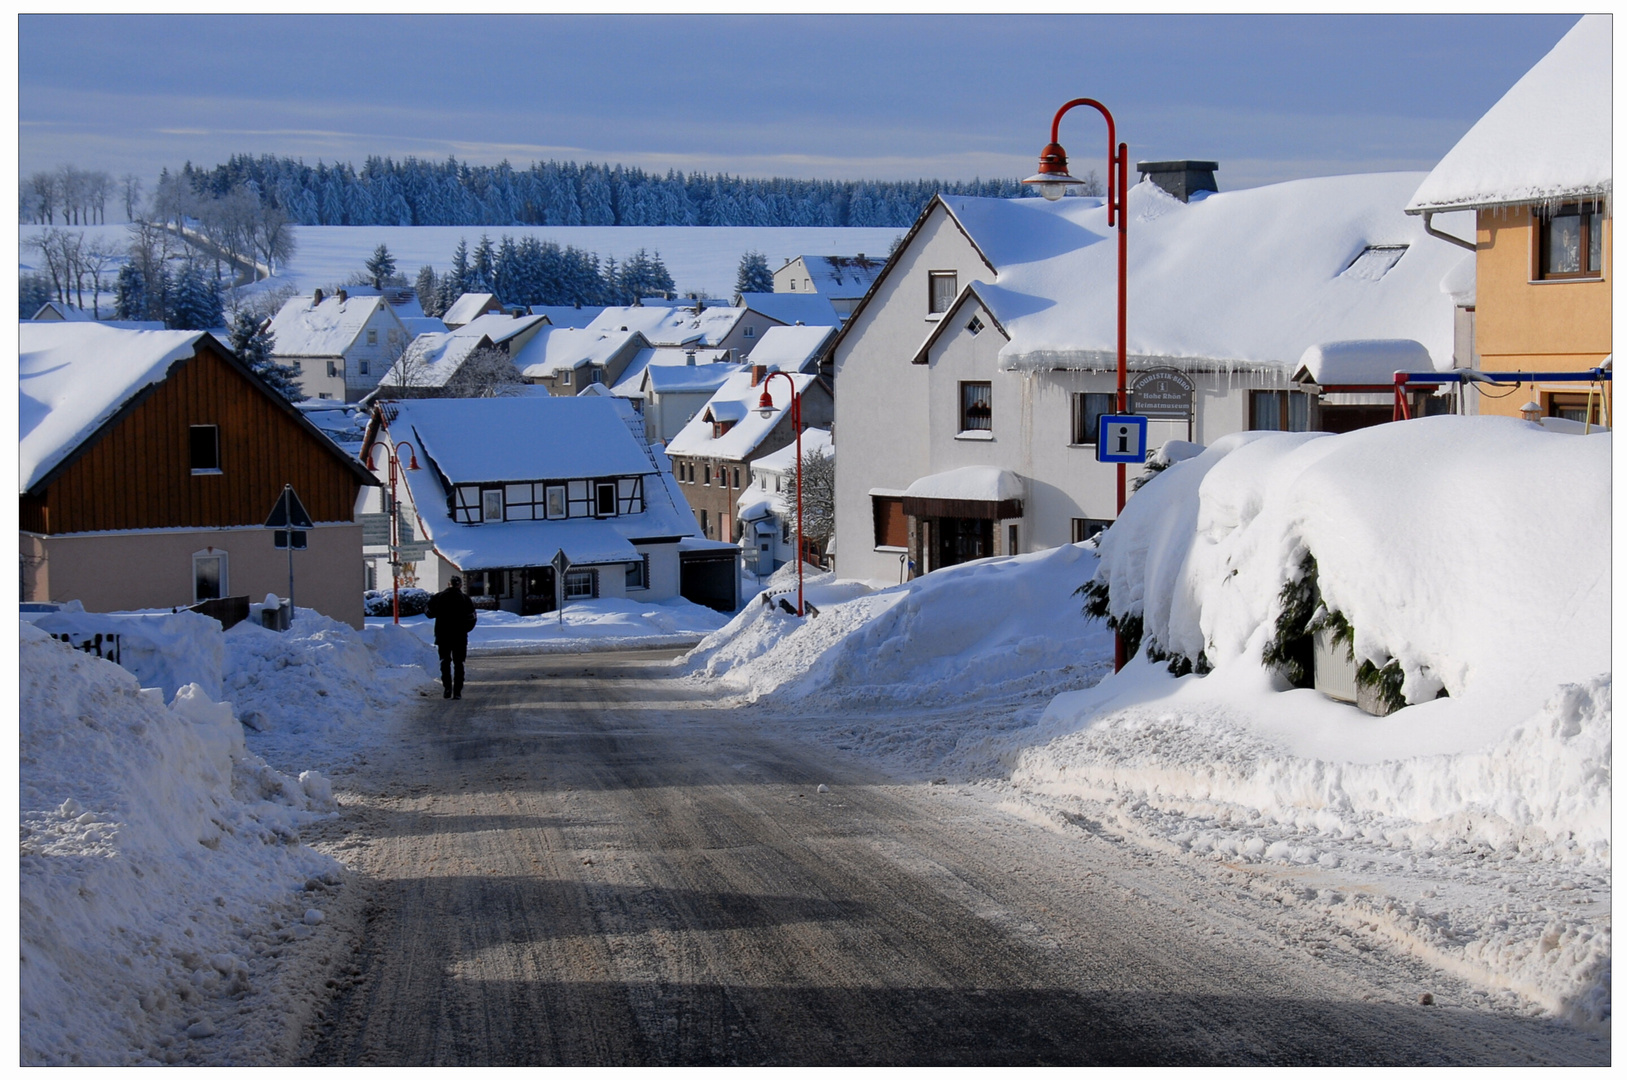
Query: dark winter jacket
x,y
454,615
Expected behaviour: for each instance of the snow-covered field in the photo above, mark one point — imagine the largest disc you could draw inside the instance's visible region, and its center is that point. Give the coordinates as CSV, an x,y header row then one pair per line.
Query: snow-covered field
x,y
164,889
585,625
700,259
1471,829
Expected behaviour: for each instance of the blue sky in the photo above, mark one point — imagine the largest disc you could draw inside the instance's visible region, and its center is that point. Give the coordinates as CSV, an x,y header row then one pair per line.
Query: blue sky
x,y
1270,98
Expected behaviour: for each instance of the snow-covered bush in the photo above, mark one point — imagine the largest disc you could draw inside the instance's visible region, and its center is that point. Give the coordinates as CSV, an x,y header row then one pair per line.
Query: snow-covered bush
x,y
1428,541
380,602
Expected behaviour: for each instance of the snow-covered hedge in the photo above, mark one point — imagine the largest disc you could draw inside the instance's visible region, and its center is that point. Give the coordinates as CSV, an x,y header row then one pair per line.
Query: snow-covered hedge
x,y
380,602
1474,552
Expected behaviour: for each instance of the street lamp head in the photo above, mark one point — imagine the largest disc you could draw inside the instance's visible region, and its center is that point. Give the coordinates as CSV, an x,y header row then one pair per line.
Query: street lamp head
x,y
1053,179
765,404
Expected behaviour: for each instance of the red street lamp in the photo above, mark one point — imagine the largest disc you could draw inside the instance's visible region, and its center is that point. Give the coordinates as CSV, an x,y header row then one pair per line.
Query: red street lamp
x,y
765,409
392,453
1053,181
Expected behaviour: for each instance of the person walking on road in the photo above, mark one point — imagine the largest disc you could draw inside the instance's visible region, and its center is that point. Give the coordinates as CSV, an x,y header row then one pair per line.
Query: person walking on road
x,y
454,616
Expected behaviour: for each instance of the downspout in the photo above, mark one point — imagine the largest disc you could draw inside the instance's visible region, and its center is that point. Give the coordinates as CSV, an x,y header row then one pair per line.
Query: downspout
x,y
1469,245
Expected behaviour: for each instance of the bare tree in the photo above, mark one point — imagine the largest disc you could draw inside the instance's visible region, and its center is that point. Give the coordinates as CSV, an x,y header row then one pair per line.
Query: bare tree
x,y
44,188
150,250
130,191
71,186
97,257
487,372
273,236
818,498
60,250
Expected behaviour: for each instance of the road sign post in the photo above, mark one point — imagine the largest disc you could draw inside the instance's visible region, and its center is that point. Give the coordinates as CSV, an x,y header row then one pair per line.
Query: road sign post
x,y
288,520
561,563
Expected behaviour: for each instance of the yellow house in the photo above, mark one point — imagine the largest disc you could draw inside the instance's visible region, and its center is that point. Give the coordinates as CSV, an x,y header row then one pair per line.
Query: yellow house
x,y
1535,170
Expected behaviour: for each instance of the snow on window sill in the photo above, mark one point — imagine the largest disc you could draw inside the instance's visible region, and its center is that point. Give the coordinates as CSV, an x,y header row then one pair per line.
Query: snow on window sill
x,y
1566,281
207,472
976,436
936,316
892,550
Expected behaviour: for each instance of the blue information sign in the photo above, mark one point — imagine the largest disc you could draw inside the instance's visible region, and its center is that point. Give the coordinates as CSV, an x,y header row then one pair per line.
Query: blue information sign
x,y
1122,440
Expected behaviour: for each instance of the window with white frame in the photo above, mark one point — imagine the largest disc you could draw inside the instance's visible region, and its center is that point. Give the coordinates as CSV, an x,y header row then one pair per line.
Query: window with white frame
x,y
940,291
1088,409
491,504
976,411
362,367
372,337
209,577
556,501
581,584
604,499
638,573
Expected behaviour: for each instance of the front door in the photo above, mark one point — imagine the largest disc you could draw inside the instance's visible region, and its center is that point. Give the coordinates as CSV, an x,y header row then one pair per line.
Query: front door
x,y
962,540
538,597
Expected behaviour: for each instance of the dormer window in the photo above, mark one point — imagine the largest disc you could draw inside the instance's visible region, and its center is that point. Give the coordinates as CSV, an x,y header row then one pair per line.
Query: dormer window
x,y
491,504
604,495
720,427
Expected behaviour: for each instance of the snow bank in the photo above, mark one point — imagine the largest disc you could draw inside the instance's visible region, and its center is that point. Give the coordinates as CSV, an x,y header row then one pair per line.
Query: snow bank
x,y
321,688
998,624
164,651
1473,551
587,625
158,857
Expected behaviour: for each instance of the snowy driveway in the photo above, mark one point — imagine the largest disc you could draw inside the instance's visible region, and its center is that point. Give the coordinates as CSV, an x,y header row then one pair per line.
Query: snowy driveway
x,y
582,863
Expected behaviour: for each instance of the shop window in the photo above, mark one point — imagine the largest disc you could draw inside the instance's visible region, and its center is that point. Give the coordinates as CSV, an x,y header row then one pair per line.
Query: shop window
x,y
1279,410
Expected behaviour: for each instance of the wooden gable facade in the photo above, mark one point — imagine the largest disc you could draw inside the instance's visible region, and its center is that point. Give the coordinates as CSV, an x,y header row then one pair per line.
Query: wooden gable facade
x,y
135,471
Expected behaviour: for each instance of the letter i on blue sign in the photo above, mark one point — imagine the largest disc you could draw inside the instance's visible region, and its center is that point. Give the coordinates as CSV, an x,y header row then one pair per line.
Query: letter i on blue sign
x,y
1122,439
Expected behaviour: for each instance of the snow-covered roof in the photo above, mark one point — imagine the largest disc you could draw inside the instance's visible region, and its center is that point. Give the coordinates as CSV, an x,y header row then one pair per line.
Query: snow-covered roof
x,y
566,315
672,325
467,307
472,440
1548,138
493,440
791,348
72,378
562,348
432,359
500,326
302,328
55,311
684,379
754,500
422,324
974,483
810,309
1237,280
1361,363
737,395
842,277
631,382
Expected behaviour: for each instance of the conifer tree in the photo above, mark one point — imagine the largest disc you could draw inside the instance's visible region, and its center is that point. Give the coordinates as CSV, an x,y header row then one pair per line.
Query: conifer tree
x,y
380,267
194,303
130,293
252,341
753,276
428,288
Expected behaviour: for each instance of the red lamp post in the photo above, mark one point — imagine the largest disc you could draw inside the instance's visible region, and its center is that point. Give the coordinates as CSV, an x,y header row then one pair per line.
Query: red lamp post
x,y
765,408
1052,181
392,453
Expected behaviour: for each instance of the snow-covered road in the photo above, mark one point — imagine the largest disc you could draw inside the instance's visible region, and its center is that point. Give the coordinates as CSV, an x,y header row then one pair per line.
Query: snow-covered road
x,y
587,861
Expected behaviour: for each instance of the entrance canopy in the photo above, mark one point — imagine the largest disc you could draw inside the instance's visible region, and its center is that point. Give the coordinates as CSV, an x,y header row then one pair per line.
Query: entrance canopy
x,y
976,491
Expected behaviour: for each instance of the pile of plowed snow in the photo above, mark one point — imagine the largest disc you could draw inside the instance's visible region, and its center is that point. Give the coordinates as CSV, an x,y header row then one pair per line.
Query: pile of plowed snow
x,y
996,626
160,862
1474,553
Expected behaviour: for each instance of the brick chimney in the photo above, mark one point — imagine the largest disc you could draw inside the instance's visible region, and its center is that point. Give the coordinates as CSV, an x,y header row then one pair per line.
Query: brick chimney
x,y
316,297
342,295
758,373
1182,179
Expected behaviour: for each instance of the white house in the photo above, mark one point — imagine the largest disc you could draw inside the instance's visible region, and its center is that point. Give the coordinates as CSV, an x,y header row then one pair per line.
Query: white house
x,y
341,345
841,279
736,329
573,315
989,344
673,385
429,363
469,307
508,332
795,348
768,519
504,484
